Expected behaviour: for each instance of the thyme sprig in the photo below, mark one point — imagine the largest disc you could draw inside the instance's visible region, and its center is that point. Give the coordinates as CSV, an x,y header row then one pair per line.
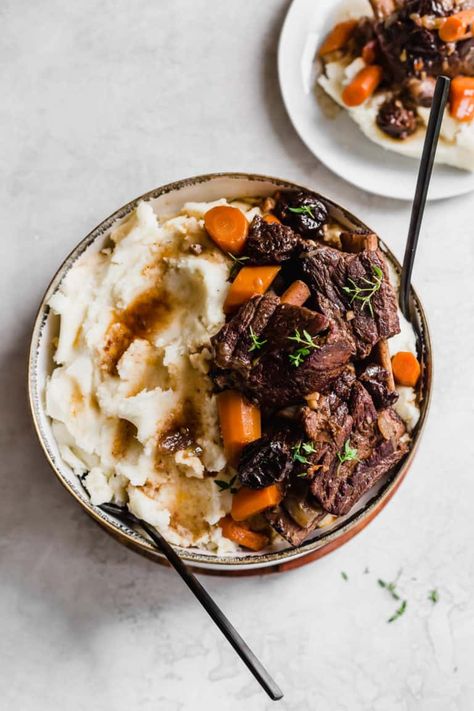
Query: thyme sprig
x,y
303,210
306,342
364,294
227,485
237,263
257,342
298,455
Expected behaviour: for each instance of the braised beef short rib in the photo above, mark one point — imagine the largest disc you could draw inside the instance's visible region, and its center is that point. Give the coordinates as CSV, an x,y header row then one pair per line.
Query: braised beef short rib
x,y
267,375
337,279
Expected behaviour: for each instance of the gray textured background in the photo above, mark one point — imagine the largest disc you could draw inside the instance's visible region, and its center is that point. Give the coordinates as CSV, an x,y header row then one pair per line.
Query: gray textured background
x,y
101,101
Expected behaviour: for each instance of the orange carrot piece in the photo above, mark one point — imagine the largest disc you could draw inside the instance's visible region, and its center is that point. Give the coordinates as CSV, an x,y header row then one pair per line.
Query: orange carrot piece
x,y
271,218
248,502
249,282
296,294
406,369
461,98
368,52
241,535
457,27
363,85
338,37
228,227
239,420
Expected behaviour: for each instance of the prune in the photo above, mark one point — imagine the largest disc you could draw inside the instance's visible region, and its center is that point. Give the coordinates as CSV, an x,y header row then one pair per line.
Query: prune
x,y
270,242
396,120
302,211
266,461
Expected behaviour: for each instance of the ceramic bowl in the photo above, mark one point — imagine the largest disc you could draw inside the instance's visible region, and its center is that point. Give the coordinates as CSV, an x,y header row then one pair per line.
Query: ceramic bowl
x,y
166,200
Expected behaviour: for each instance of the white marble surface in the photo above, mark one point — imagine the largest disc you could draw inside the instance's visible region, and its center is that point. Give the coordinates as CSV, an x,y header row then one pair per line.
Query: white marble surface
x,y
102,101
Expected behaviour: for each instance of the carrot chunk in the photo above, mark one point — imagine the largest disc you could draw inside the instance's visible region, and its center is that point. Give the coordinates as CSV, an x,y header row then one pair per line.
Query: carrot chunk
x,y
369,52
461,98
241,535
247,502
228,227
457,27
239,420
296,294
338,37
363,85
271,218
406,369
249,282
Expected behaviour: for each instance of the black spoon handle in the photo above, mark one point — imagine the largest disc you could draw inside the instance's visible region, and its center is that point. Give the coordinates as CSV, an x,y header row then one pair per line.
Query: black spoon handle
x,y
424,176
228,630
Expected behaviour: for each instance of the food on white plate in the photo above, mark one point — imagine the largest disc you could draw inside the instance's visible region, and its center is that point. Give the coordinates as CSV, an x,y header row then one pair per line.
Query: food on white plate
x,y
380,62
226,371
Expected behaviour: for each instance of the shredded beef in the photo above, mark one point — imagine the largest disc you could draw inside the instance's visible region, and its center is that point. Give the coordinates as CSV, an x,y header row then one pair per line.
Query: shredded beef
x,y
376,381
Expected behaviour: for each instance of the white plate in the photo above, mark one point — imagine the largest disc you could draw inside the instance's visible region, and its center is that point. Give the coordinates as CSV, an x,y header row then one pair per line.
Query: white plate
x,y
338,142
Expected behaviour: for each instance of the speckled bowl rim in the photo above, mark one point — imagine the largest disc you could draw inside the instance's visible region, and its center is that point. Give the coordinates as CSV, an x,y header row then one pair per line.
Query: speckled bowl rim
x,y
132,538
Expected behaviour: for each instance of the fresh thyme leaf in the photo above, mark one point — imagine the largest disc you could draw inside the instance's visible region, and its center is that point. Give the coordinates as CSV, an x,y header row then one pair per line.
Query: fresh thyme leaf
x,y
348,453
298,456
237,263
390,587
399,612
433,596
344,576
377,271
306,342
303,210
226,485
257,342
302,475
365,294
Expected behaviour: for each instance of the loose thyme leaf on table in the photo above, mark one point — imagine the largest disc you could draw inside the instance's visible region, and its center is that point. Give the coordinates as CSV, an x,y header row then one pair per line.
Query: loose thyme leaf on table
x,y
303,210
365,294
257,342
344,575
433,596
306,342
307,447
390,587
399,612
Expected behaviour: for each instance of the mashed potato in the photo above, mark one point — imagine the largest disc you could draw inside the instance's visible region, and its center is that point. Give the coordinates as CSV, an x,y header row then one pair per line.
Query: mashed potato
x,y
132,360
456,142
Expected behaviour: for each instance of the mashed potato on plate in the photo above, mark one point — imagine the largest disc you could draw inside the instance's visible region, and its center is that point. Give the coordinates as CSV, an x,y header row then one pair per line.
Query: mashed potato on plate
x,y
131,402
456,142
